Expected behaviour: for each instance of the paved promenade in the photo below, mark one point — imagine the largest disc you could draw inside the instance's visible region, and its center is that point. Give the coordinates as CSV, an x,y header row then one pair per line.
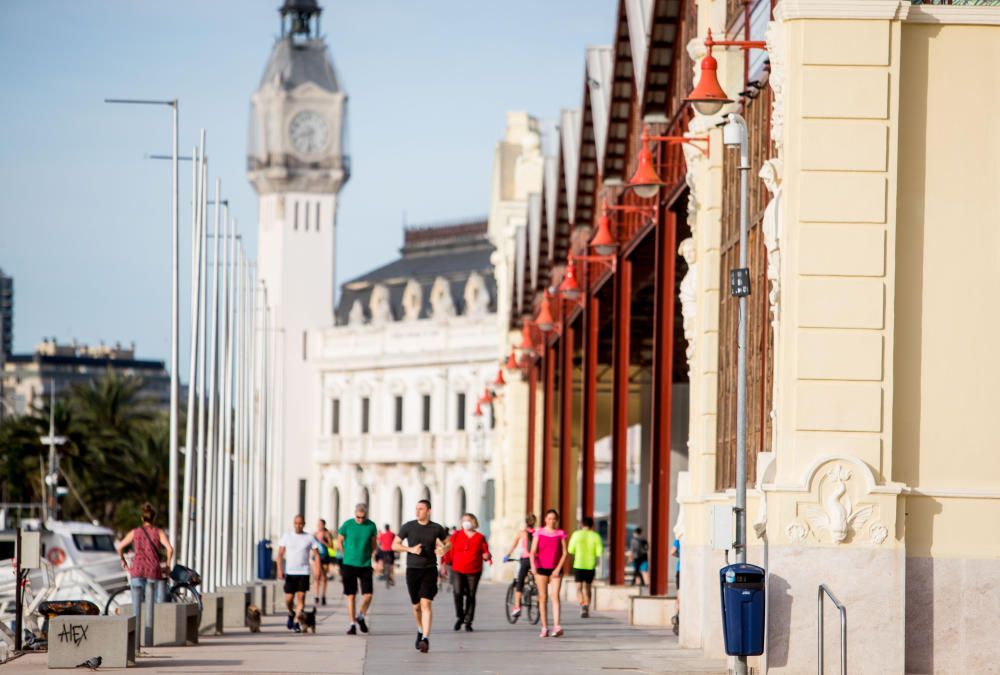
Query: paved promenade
x,y
602,643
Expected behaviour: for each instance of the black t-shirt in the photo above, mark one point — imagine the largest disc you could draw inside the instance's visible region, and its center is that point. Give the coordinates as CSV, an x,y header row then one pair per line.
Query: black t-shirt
x,y
427,536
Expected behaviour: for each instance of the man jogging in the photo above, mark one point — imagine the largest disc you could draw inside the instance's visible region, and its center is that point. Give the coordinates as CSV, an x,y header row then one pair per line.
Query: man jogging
x,y
386,554
356,541
586,548
299,548
422,537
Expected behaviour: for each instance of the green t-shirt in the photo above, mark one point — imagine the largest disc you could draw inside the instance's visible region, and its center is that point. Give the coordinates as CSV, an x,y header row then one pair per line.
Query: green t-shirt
x,y
586,548
358,542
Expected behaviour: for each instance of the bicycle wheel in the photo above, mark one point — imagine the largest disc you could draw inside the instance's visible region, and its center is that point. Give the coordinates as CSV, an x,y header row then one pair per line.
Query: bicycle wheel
x,y
185,593
530,602
509,605
117,601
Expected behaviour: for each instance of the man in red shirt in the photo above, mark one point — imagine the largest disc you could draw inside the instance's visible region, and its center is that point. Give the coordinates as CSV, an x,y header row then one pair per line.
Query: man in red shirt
x,y
386,555
466,555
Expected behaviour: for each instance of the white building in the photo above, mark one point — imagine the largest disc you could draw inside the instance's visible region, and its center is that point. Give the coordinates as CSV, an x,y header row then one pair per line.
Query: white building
x,y
400,375
297,164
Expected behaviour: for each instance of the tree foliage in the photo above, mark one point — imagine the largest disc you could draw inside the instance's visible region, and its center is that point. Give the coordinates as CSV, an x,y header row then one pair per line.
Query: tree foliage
x,y
116,456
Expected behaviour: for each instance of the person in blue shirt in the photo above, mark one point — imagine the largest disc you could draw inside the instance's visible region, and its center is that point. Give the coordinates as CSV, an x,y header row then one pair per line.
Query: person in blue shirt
x,y
675,620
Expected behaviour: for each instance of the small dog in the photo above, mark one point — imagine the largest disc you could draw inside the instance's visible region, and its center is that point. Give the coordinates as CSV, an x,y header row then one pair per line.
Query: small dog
x,y
253,618
308,620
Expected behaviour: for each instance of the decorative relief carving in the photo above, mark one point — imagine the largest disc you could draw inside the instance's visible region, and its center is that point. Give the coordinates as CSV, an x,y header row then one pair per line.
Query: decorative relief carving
x,y
379,305
776,80
878,533
476,296
688,294
412,300
836,514
442,305
797,531
356,317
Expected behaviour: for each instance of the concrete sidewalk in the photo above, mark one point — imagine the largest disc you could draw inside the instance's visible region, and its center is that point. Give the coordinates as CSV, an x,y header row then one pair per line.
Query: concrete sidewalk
x,y
600,644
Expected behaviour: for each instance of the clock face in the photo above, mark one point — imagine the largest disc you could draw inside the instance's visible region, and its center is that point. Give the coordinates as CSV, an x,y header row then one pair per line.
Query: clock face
x,y
308,132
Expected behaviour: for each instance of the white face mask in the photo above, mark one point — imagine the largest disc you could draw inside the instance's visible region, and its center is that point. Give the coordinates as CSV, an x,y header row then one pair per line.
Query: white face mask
x,y
466,524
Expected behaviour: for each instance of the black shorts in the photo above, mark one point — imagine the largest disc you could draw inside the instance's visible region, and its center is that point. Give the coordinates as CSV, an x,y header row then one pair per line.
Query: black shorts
x,y
296,583
387,557
544,571
422,583
583,576
352,575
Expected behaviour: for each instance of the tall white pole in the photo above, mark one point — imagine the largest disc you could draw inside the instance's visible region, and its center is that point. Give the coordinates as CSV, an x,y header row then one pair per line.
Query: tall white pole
x,y
220,446
237,486
174,337
227,411
198,155
211,435
199,521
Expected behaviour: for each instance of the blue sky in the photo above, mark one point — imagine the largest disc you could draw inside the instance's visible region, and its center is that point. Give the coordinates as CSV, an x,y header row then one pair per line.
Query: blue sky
x,y
85,219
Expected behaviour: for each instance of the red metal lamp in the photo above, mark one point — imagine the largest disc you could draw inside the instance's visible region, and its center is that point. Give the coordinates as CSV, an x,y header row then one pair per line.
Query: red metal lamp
x,y
645,182
478,412
528,350
603,241
511,361
709,96
569,288
544,319
499,381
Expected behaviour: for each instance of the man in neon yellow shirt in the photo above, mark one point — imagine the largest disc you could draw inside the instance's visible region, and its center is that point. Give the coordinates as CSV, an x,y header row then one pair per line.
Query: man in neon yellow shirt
x,y
586,548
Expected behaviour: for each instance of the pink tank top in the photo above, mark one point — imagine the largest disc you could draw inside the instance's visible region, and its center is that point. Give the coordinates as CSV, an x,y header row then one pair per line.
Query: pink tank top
x,y
549,548
146,563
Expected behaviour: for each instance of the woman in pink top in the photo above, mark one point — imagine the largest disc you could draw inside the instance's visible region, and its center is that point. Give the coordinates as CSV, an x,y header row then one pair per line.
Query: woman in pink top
x,y
548,553
146,571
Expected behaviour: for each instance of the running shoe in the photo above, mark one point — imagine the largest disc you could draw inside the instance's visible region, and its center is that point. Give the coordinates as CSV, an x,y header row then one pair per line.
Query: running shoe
x,y
585,612
361,624
557,631
353,630
323,601
516,612
458,625
291,620
425,644
544,633
297,628
317,600
468,628
420,636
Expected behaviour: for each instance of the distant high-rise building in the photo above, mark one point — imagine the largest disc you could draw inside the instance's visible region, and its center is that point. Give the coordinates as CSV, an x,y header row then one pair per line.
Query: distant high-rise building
x,y
28,379
6,315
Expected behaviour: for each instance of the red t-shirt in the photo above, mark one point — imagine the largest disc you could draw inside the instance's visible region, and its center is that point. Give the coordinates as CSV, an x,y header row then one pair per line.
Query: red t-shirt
x,y
385,540
466,553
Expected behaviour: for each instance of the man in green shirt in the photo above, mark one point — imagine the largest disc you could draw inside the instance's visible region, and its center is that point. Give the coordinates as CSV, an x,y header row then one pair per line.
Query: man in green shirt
x,y
356,543
586,547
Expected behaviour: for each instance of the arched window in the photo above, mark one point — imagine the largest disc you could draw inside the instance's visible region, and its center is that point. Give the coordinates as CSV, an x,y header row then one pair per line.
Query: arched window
x,y
397,508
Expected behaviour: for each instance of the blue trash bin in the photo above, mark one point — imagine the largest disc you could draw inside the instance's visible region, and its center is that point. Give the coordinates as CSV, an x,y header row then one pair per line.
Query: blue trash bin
x,y
742,587
265,562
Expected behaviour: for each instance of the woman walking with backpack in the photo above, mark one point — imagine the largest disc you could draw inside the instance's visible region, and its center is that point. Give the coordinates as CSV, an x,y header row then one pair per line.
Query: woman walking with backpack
x,y
151,546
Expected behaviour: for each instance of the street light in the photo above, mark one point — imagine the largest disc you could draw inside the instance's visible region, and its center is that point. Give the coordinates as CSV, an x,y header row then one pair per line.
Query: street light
x,y
734,134
645,182
709,96
174,310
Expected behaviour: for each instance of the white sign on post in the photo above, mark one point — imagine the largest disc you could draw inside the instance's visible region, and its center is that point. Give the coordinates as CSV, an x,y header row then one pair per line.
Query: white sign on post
x,y
31,548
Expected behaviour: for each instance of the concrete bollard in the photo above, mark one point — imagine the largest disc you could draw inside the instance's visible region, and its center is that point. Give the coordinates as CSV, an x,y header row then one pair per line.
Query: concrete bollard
x,y
212,614
278,596
613,598
237,599
175,624
76,639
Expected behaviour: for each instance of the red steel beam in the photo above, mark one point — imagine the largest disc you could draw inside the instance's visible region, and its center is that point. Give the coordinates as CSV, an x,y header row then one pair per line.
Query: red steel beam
x,y
549,368
663,376
532,408
567,510
619,424
589,405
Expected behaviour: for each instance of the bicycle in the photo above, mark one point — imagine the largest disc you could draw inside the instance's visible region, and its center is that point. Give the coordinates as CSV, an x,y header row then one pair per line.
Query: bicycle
x,y
183,588
529,599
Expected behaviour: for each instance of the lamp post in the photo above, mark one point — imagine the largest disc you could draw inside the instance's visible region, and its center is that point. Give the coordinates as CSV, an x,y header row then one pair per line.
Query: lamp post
x,y
734,134
174,310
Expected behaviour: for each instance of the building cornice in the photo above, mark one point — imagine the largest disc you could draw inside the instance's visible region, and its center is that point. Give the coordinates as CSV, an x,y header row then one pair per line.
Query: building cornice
x,y
788,10
955,15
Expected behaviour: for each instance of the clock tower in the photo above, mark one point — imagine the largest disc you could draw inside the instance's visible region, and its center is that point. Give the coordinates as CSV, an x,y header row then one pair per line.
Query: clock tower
x,y
297,165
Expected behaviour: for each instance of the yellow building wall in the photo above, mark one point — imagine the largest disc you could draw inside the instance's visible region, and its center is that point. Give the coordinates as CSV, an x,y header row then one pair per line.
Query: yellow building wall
x,y
947,368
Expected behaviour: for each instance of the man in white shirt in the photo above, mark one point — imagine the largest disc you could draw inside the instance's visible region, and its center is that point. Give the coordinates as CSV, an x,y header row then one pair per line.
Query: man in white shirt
x,y
299,548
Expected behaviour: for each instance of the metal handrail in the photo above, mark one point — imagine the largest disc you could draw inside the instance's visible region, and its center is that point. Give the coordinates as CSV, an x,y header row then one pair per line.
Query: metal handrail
x,y
819,630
